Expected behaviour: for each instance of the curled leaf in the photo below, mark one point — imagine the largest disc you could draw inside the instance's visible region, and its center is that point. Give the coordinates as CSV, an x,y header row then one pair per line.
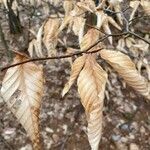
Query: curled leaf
x,y
76,68
134,5
65,22
68,5
127,70
90,38
103,20
50,38
78,27
88,5
31,47
91,86
116,5
38,44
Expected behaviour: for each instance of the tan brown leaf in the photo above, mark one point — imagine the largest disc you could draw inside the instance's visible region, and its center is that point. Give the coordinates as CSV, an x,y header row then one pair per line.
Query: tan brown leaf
x,y
50,38
116,5
70,19
22,89
50,28
31,47
106,28
141,45
127,70
5,3
38,43
88,5
68,5
103,20
78,27
89,39
121,45
75,70
146,6
65,22
134,5
91,86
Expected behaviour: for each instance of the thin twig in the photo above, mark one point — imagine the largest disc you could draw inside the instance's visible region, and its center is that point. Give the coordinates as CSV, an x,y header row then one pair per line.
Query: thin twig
x,y
139,37
48,58
60,57
139,17
132,33
127,31
118,34
113,12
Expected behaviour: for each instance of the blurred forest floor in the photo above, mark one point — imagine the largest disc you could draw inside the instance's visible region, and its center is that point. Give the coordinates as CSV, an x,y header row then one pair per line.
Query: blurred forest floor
x,y
63,124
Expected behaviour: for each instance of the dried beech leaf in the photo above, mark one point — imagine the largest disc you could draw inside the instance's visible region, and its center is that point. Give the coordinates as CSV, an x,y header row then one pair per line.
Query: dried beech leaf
x,y
89,39
101,17
70,19
65,22
22,89
127,70
108,31
134,5
5,3
50,38
75,70
121,45
146,6
88,5
103,20
91,86
115,2
141,45
113,22
130,42
50,28
31,47
38,44
101,5
119,17
78,27
68,5
116,5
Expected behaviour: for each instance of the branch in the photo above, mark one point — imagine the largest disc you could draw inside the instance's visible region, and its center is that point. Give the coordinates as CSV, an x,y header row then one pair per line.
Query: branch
x,y
127,25
60,57
48,58
139,37
139,17
118,34
132,33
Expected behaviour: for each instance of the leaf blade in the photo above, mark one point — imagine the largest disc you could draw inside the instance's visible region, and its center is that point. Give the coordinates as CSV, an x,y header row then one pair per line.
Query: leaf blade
x,y
91,85
22,92
127,70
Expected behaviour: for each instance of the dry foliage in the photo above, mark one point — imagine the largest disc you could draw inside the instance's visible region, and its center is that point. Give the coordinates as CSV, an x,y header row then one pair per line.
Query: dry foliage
x,y
22,90
91,87
22,85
